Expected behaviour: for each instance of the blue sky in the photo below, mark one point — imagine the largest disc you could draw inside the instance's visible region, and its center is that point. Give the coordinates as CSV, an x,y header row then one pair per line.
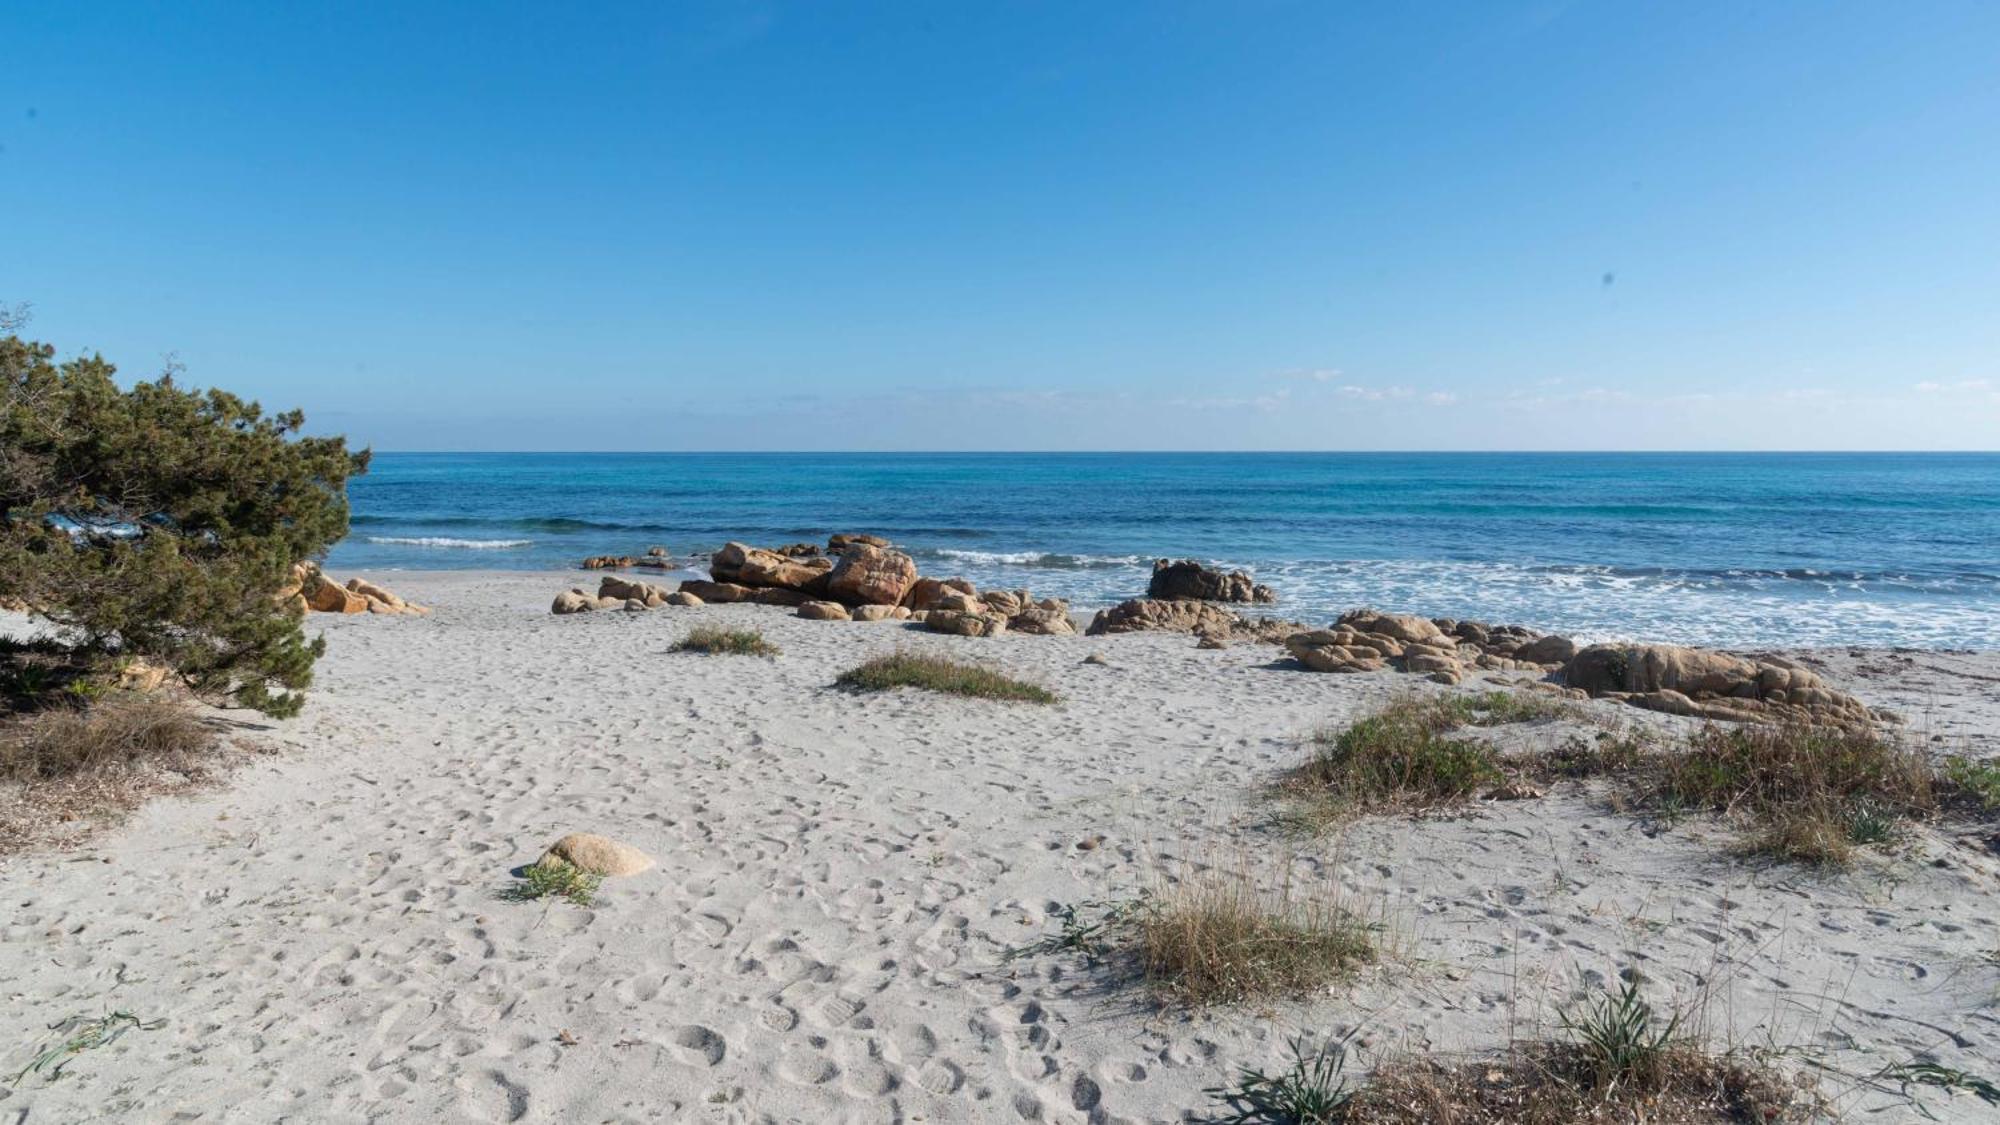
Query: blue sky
x,y
1027,226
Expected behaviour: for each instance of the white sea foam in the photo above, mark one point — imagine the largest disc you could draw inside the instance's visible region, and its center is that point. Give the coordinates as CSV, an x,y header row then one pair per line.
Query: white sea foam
x,y
442,541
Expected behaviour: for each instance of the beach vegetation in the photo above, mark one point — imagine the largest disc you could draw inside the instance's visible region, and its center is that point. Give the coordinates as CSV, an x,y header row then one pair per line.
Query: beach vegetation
x,y
1402,755
1812,794
555,879
162,523
78,1034
1219,937
940,674
713,640
1615,1059
1311,1090
119,730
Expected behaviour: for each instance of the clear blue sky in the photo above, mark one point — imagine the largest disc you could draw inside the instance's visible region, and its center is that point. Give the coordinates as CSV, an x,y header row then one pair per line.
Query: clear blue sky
x,y
1024,226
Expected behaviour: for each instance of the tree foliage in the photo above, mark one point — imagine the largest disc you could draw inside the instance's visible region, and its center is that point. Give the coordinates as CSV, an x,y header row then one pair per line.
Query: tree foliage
x,y
162,523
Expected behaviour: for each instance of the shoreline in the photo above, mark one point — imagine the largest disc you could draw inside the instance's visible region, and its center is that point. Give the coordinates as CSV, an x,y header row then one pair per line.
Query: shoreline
x,y
840,879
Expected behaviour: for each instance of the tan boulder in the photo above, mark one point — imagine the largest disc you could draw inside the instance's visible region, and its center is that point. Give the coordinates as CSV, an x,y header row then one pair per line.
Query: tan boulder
x,y
612,586
924,593
328,597
719,592
825,611
1403,627
683,598
1429,662
1325,650
1048,618
840,542
599,855
779,596
573,601
608,562
1006,603
1146,615
964,624
867,575
877,612
767,568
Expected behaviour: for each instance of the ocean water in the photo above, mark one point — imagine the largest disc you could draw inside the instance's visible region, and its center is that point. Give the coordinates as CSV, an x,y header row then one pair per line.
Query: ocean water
x,y
1727,549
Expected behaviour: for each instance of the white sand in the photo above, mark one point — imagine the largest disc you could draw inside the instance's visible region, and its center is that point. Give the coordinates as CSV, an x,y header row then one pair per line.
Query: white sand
x,y
839,877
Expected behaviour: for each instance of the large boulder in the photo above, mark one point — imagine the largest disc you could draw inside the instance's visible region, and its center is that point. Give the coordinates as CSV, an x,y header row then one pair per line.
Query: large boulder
x,y
1403,627
327,596
824,611
1547,650
869,575
1146,615
1048,617
612,586
840,542
1715,685
1189,579
720,592
965,624
743,565
924,593
1333,650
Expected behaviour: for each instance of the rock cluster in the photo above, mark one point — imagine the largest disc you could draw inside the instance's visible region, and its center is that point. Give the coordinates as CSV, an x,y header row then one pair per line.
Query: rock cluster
x,y
308,589
614,592
1712,685
1681,681
1188,579
1148,615
1364,640
656,558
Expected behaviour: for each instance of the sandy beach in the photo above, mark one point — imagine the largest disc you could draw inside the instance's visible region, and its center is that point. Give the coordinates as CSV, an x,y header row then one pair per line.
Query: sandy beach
x,y
841,878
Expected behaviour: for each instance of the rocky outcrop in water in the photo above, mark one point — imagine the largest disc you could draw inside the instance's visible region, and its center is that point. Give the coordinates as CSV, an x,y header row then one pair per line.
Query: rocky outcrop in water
x,y
1188,579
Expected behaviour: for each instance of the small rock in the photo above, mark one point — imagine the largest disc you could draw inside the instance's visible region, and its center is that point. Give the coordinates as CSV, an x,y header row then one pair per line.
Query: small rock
x,y
598,854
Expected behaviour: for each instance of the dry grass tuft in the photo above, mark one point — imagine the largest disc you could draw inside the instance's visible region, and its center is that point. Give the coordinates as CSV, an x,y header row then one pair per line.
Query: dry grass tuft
x,y
1218,938
69,768
1812,793
940,674
713,640
1554,1084
118,730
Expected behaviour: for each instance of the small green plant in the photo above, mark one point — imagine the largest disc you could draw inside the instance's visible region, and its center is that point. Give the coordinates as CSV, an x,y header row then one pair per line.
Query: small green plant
x,y
1944,1078
80,1034
1621,1037
561,880
1093,937
1976,782
940,674
715,640
1311,1091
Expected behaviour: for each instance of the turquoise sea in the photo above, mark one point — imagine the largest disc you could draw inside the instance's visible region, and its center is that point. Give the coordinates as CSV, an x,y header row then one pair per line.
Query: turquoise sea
x,y
1735,549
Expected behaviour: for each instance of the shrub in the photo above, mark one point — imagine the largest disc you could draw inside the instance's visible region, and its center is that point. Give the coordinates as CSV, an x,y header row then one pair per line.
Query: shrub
x,y
118,730
1400,755
1617,1061
940,674
1812,792
713,639
163,523
560,880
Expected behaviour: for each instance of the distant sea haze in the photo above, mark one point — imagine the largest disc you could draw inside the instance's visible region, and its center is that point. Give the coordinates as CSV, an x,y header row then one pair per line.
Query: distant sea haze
x,y
1724,549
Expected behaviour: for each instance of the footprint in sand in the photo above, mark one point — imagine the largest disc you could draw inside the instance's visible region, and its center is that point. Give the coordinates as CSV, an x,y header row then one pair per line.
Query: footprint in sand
x,y
696,1045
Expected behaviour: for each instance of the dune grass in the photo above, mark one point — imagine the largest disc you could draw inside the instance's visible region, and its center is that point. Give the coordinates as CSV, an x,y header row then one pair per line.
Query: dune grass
x,y
1811,794
940,674
1217,937
117,730
1615,1060
714,640
1403,755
